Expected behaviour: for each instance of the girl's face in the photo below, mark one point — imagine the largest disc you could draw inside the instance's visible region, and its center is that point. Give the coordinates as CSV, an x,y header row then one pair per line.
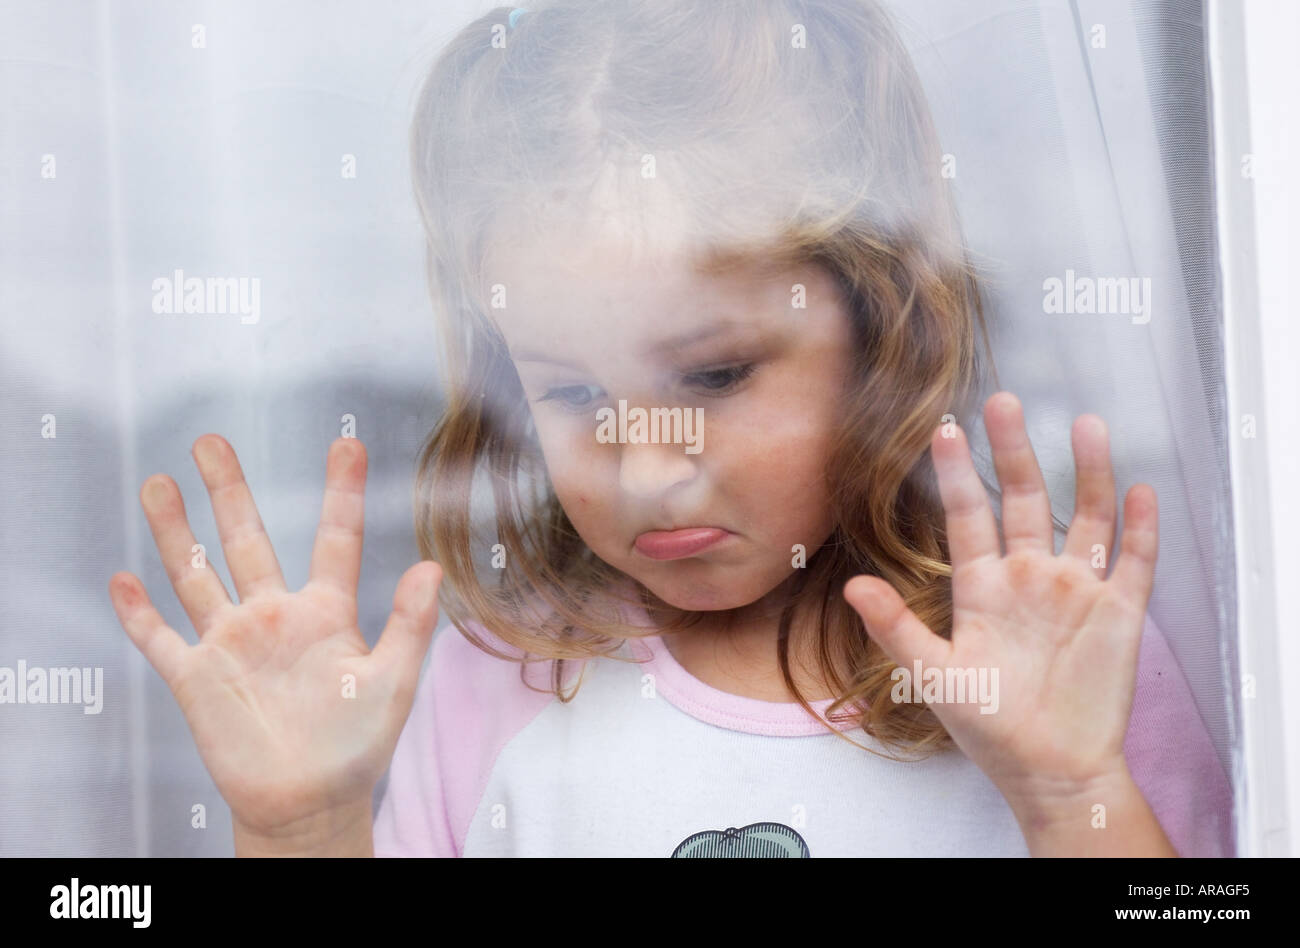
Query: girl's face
x,y
588,325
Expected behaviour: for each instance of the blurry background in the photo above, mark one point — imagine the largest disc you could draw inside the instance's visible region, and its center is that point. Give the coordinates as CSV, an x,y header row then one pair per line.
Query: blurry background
x,y
1073,148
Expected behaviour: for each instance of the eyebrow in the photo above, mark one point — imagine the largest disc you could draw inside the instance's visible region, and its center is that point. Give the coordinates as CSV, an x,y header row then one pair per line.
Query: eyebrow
x,y
672,344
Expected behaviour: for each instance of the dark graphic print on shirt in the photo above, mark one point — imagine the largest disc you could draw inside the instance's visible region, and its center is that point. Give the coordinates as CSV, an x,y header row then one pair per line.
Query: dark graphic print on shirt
x,y
757,840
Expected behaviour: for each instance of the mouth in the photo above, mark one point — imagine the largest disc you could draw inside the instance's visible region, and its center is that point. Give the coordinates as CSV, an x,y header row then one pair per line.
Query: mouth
x,y
676,544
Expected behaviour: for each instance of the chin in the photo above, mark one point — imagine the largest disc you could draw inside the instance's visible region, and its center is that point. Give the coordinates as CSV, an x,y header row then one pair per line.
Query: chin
x,y
694,594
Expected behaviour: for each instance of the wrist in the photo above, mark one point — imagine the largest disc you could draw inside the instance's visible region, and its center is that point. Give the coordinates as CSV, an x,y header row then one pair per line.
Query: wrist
x,y
342,831
1101,815
1042,800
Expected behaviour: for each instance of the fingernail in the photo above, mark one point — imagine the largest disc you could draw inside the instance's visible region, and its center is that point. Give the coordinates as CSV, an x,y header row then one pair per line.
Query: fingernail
x,y
204,452
155,491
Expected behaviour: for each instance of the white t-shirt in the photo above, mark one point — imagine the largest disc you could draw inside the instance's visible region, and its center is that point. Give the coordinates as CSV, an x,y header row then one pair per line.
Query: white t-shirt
x,y
647,760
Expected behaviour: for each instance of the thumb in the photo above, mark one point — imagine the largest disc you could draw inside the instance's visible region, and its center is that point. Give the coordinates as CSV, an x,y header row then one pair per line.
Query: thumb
x,y
895,627
410,626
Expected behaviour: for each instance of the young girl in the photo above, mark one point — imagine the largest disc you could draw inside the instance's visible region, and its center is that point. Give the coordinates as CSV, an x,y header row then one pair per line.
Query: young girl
x,y
709,331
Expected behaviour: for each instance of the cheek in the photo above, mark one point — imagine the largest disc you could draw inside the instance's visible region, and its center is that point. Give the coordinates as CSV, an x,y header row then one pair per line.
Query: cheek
x,y
593,515
563,450
788,486
581,483
785,445
777,471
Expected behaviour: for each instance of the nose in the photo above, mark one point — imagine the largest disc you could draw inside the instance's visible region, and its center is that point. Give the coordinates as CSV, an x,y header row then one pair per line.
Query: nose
x,y
648,470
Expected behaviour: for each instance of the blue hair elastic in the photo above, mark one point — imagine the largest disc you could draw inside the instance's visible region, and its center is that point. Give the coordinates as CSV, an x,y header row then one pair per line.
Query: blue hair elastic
x,y
515,14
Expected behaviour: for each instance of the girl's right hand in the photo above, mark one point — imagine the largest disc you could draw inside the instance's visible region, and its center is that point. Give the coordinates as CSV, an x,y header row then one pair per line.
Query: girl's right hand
x,y
296,719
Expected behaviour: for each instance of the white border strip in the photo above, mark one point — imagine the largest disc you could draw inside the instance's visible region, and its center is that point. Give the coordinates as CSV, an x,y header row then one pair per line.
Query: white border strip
x,y
140,749
1253,71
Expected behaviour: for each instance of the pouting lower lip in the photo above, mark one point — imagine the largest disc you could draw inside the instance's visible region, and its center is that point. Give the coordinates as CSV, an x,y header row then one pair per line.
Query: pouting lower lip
x,y
675,544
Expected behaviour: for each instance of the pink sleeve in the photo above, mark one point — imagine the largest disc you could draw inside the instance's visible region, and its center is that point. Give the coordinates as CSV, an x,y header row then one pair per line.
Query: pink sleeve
x,y
412,818
1172,758
467,706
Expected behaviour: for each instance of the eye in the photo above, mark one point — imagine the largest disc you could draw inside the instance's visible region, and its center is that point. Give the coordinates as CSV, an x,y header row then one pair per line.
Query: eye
x,y
723,380
569,397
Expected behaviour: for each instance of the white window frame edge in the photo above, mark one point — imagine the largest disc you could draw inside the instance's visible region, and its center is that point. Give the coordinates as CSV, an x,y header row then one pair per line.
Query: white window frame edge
x,y
1252,64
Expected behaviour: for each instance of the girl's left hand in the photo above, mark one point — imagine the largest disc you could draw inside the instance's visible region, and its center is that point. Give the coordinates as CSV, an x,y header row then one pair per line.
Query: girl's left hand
x,y
1062,636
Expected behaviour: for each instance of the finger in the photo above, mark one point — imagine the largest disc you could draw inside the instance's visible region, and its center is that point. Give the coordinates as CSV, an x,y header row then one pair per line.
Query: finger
x,y
972,531
336,556
1026,511
410,626
159,643
249,555
199,588
1093,525
1135,569
895,627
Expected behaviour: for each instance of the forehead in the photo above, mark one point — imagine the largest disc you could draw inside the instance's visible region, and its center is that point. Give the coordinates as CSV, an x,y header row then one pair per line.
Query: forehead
x,y
581,289
626,260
